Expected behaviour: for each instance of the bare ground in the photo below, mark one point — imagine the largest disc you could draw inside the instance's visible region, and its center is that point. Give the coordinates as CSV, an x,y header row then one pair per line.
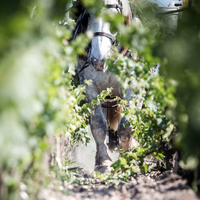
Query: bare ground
x,y
154,185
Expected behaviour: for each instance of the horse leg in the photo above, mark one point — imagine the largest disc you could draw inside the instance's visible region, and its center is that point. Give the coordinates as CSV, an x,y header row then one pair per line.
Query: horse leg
x,y
113,119
127,140
99,129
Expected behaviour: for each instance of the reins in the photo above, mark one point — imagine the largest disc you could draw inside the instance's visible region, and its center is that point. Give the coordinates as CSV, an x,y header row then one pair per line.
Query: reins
x,y
78,24
85,65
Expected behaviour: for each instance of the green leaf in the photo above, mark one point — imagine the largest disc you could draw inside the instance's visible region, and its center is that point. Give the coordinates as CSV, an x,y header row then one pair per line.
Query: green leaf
x,y
144,168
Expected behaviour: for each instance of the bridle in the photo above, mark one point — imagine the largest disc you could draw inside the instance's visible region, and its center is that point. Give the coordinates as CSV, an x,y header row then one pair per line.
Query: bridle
x,y
109,36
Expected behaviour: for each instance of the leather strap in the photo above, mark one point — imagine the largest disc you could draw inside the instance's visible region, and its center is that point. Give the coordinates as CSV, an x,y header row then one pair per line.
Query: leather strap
x,y
109,36
78,24
85,65
117,6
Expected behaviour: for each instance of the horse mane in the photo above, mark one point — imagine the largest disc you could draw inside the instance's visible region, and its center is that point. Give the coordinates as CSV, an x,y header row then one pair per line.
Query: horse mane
x,y
76,10
80,16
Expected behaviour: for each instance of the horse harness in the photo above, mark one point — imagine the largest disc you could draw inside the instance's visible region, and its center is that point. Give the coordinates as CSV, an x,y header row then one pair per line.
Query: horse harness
x,y
81,28
81,25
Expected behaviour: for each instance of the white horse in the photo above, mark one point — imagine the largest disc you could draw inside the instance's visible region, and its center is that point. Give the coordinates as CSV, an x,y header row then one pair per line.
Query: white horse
x,y
104,119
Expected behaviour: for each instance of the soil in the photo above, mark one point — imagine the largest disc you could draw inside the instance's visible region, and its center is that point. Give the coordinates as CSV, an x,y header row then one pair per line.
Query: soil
x,y
153,185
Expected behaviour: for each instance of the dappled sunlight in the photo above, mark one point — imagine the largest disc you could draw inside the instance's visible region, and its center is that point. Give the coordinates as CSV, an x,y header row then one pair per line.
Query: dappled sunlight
x,y
55,89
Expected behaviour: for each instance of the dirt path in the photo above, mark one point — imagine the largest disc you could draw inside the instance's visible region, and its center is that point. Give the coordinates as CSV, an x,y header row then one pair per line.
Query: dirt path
x,y
149,186
154,185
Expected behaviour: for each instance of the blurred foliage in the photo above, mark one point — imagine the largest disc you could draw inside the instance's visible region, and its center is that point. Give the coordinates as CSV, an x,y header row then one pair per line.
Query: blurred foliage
x,y
178,50
37,98
180,56
39,101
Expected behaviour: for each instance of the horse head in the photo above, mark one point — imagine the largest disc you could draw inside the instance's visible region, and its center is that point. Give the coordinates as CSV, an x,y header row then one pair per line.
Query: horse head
x,y
103,38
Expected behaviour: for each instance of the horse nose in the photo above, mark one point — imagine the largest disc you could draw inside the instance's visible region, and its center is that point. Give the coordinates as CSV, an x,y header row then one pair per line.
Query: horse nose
x,y
99,65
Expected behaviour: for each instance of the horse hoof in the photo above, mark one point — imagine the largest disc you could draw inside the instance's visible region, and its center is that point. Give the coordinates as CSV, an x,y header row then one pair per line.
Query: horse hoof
x,y
104,168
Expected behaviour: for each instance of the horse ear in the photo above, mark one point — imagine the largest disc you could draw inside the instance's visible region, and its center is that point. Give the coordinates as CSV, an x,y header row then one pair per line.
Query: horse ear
x,y
125,7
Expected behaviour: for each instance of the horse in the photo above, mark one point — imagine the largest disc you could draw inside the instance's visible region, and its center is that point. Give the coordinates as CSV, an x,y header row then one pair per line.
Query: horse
x,y
105,119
